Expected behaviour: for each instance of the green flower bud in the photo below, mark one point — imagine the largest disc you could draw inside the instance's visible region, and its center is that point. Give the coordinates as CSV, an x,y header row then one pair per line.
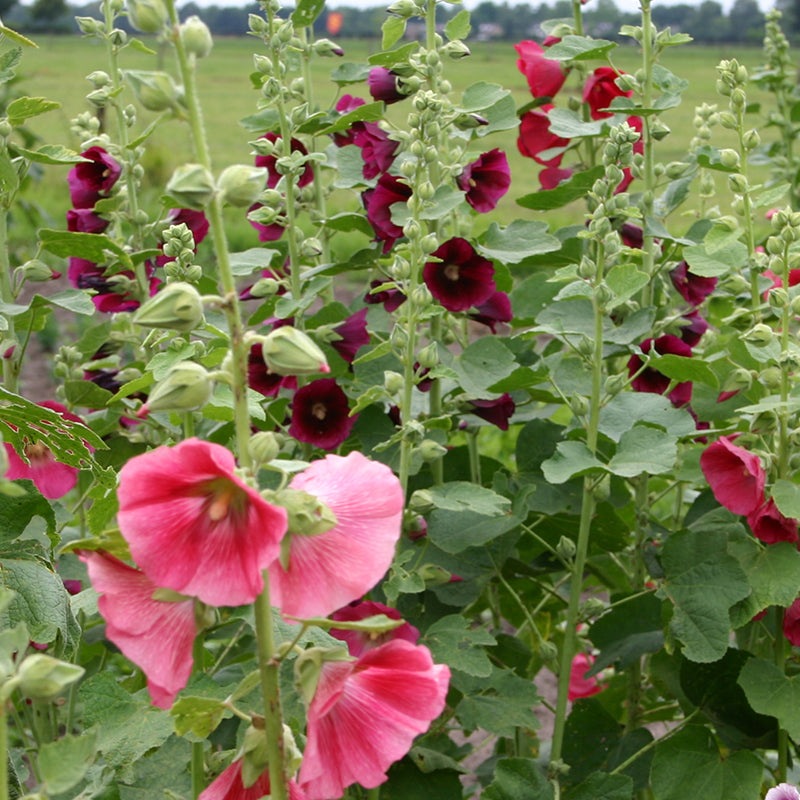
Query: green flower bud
x,y
240,184
737,380
89,26
548,652
737,183
760,335
456,50
36,270
147,16
393,382
263,447
191,186
771,377
289,351
196,37
156,91
178,307
404,9
307,515
186,387
326,48
434,575
727,120
42,677
308,665
421,502
429,450
566,549
659,130
118,37
264,287
751,139
729,158
428,356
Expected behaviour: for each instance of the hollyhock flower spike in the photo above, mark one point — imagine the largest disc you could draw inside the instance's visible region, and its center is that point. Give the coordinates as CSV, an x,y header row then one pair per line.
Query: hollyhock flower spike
x,y
91,180
156,635
269,162
485,180
545,75
735,476
345,562
783,791
359,642
365,714
460,278
321,414
215,534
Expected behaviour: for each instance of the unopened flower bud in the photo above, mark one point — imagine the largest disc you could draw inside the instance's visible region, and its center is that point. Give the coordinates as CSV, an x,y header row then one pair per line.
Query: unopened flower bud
x,y
147,16
263,447
307,515
467,122
403,8
771,377
186,387
456,50
326,48
751,139
36,270
196,37
548,652
89,26
566,549
659,130
311,247
729,158
428,356
760,335
727,120
156,91
240,184
737,380
430,450
42,677
264,287
192,186
393,382
177,307
289,351
118,37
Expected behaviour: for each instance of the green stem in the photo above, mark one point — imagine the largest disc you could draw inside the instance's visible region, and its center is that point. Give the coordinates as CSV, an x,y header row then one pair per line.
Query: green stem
x,y
198,757
648,60
11,364
780,661
474,457
4,755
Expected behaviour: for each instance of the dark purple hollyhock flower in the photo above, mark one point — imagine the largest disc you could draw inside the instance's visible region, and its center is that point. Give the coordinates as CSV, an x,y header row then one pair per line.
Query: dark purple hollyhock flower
x,y
461,278
382,83
378,202
495,310
692,288
377,149
260,379
485,180
353,332
345,105
273,176
392,299
195,221
631,235
110,295
105,378
91,180
693,331
498,411
650,380
424,383
84,220
321,414
266,233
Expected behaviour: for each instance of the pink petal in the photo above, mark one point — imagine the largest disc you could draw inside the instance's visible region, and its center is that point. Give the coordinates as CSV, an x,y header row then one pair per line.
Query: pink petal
x,y
735,476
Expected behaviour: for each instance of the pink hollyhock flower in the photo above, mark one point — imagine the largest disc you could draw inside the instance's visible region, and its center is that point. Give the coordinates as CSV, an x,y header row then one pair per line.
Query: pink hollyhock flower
x,y
260,379
383,85
791,623
230,786
84,220
89,181
358,642
52,478
346,561
391,299
694,289
600,89
735,476
485,180
354,335
783,791
498,411
461,278
321,414
579,685
215,534
156,635
545,76
365,715
551,177
694,328
269,162
378,203
495,310
535,137
770,526
650,380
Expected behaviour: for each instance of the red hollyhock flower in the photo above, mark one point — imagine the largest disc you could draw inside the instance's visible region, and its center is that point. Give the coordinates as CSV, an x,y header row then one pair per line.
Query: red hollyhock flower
x,y
269,162
345,105
777,280
84,220
498,411
600,89
650,380
215,534
52,478
545,76
89,181
345,562
694,289
579,685
354,335
377,149
550,177
461,278
391,299
535,137
631,235
735,476
791,623
770,526
359,642
110,292
382,84
378,203
260,379
321,414
157,635
365,715
485,180
495,310
229,785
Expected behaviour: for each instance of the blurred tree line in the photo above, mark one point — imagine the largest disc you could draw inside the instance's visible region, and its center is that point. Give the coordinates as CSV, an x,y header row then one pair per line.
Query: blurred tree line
x,y
707,21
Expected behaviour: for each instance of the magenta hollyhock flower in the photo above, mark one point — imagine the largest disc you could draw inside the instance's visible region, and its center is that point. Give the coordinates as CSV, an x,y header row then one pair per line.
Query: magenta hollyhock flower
x,y
111,293
229,785
535,137
391,299
321,414
215,534
461,278
266,233
345,105
269,162
777,280
600,89
52,478
377,149
495,310
156,635
84,220
498,411
550,177
632,235
791,623
650,380
579,685
346,561
694,328
770,526
378,203
545,75
365,715
354,335
694,289
485,180
736,476
383,85
89,181
260,379
359,642
783,791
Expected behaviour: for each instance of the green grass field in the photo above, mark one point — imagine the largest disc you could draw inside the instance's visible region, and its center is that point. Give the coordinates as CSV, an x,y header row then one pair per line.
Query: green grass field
x,y
57,70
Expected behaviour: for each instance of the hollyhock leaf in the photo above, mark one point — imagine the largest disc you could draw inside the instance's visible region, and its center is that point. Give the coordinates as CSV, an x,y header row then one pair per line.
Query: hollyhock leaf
x,y
603,786
86,394
464,496
624,410
198,715
306,11
484,363
27,511
409,781
349,222
392,31
390,58
518,241
51,154
64,762
70,299
444,200
570,125
459,26
369,112
348,73
506,702
786,495
518,778
246,262
480,96
683,368
90,246
455,531
689,764
580,48
702,581
573,189
24,108
771,692
625,280
719,262
454,642
709,157
771,198
569,460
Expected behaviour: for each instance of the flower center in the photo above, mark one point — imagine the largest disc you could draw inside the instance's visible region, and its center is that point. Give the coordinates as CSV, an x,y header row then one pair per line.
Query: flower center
x,y
451,272
319,411
37,452
223,499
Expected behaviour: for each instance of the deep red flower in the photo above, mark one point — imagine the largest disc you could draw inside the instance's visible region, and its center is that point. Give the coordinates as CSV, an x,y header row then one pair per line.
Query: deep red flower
x,y
321,414
378,203
266,233
770,526
631,235
345,105
545,76
650,380
377,149
111,293
84,220
791,623
550,177
600,89
269,162
579,685
695,327
391,299
461,278
215,533
498,411
495,310
260,379
694,289
383,85
736,476
777,280
354,335
485,180
89,181
358,642
535,137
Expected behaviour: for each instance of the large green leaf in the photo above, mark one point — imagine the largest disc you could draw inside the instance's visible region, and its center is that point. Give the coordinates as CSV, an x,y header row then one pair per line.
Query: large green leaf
x,y
771,692
505,703
306,11
91,246
518,779
64,762
603,786
569,460
452,641
482,364
644,450
579,48
624,410
23,108
518,241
